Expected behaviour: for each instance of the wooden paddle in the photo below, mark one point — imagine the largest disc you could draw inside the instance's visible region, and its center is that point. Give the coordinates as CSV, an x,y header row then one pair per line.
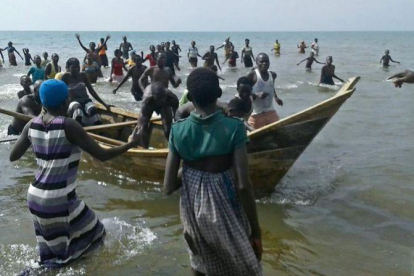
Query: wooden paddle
x,y
88,128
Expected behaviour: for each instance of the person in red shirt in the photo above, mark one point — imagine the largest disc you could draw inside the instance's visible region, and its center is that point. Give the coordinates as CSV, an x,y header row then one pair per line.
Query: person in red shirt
x,y
152,57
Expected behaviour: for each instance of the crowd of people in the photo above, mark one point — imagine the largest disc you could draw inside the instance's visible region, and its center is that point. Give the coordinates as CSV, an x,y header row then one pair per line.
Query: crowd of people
x,y
208,138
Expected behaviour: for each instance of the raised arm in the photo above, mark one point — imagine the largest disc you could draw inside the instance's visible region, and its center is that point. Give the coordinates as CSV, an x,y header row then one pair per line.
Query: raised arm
x,y
104,44
123,80
246,193
22,144
78,136
80,43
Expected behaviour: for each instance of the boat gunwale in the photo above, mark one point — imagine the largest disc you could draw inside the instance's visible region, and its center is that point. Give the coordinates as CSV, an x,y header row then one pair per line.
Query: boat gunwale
x,y
341,96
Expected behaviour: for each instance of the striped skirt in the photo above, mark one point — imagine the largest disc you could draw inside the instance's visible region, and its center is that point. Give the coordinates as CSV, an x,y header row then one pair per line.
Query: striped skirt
x,y
65,226
215,226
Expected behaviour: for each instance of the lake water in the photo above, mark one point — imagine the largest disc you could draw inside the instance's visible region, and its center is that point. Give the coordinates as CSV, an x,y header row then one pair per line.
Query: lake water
x,y
344,208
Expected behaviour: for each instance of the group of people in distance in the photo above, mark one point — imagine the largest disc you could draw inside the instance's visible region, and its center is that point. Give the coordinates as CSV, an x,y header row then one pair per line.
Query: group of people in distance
x,y
208,138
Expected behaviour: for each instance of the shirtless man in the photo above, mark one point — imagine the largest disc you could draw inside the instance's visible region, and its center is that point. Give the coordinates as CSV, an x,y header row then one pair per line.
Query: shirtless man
x,y
302,46
328,72
125,47
171,58
29,105
386,59
163,102
135,72
159,73
403,77
176,49
309,61
25,82
210,57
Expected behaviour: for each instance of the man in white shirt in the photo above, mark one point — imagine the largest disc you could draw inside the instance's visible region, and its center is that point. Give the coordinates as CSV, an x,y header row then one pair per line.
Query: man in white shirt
x,y
315,47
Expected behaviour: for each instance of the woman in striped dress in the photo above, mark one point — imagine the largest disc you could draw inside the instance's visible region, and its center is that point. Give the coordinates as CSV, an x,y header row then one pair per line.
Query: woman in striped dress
x,y
65,227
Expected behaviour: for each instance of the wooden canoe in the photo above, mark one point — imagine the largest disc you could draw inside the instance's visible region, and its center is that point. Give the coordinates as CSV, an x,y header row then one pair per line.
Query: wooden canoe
x,y
272,149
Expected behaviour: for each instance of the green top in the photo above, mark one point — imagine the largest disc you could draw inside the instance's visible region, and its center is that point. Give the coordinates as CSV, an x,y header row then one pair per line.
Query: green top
x,y
195,138
184,98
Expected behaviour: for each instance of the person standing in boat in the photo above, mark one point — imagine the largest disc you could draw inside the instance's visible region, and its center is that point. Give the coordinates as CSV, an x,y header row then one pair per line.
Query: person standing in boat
x,y
53,68
385,60
10,50
247,55
135,72
218,213
328,73
159,73
160,100
28,105
66,228
309,61
264,93
125,47
403,77
81,107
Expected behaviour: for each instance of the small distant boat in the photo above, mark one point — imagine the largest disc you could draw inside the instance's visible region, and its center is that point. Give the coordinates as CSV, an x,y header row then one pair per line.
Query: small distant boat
x,y
272,150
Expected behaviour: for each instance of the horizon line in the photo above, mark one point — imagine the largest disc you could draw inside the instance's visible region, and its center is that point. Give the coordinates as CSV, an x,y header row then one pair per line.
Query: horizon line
x,y
117,31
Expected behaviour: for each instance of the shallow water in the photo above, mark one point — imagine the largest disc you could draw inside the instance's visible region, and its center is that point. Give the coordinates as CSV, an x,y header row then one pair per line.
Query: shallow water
x,y
344,208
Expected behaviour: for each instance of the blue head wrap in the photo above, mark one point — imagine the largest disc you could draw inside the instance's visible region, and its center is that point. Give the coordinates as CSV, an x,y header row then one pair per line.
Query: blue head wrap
x,y
53,93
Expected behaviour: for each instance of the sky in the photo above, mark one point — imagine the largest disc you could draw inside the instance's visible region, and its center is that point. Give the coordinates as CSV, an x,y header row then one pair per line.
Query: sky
x,y
211,15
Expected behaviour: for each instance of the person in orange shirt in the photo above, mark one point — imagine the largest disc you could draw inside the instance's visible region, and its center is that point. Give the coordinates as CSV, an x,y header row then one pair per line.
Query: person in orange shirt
x,y
102,53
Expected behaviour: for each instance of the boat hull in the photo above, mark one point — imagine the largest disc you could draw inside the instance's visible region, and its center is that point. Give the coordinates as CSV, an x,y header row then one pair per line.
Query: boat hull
x,y
272,150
